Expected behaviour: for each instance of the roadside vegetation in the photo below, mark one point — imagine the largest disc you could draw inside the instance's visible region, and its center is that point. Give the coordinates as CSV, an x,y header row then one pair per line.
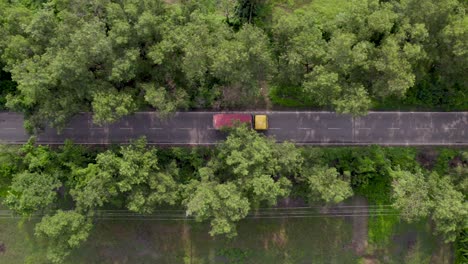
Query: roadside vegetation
x,y
69,186
117,57
112,58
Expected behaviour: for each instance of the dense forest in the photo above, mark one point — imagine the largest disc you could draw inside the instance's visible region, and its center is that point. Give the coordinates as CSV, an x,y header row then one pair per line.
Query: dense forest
x,y
68,186
117,57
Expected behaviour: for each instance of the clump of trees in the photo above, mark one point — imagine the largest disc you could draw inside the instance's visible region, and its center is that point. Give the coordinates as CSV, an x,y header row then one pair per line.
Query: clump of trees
x,y
418,196
115,57
220,185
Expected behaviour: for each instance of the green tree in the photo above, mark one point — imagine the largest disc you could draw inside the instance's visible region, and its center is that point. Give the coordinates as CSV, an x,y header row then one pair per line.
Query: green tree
x,y
10,165
160,188
243,63
251,169
323,86
255,164
326,184
7,86
31,192
460,174
411,193
110,106
38,158
368,51
440,78
63,231
355,102
450,211
70,56
132,172
222,204
93,186
417,196
70,156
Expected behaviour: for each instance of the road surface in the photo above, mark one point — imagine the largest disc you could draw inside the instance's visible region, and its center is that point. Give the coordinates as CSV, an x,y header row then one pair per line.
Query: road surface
x,y
314,128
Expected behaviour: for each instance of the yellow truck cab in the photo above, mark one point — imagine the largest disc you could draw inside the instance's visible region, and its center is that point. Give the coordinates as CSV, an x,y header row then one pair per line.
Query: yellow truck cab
x,y
260,122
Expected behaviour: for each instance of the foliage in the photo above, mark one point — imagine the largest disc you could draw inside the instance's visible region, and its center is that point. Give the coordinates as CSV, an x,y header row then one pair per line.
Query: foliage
x,y
64,231
250,169
450,212
382,228
330,59
66,57
133,170
31,192
10,164
443,160
7,86
461,250
258,165
411,194
327,184
222,184
289,97
114,57
222,203
417,196
395,54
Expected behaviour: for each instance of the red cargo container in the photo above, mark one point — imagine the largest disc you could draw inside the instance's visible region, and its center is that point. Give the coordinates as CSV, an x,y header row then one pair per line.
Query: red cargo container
x,y
228,120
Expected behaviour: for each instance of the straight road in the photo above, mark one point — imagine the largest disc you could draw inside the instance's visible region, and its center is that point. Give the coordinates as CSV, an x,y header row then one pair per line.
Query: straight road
x,y
308,128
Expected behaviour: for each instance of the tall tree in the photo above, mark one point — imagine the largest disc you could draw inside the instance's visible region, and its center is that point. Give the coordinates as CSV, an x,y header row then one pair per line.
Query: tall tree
x,y
418,197
440,78
368,51
326,184
247,171
63,231
132,171
252,161
31,192
450,211
222,204
411,194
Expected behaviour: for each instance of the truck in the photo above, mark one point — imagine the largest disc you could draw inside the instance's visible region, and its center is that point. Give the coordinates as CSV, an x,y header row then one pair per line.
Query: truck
x,y
257,122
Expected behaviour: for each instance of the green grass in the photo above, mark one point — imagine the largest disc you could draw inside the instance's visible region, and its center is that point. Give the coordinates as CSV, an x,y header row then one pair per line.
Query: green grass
x,y
264,241
322,240
20,245
299,240
461,248
289,97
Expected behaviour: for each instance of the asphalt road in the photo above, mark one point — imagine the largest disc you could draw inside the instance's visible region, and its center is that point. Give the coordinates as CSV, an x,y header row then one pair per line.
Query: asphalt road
x,y
314,128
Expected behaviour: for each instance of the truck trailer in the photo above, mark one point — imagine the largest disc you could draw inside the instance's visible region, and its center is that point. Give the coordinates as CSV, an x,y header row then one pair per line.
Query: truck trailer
x,y
257,122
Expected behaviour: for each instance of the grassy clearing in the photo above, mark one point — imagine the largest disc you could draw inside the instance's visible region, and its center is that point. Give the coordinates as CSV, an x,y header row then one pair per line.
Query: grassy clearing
x,y
19,243
267,241
323,240
289,97
301,240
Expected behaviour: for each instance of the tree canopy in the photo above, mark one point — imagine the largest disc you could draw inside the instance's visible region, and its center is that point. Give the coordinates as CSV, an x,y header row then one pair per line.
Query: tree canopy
x,y
63,231
117,57
221,185
251,170
419,196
